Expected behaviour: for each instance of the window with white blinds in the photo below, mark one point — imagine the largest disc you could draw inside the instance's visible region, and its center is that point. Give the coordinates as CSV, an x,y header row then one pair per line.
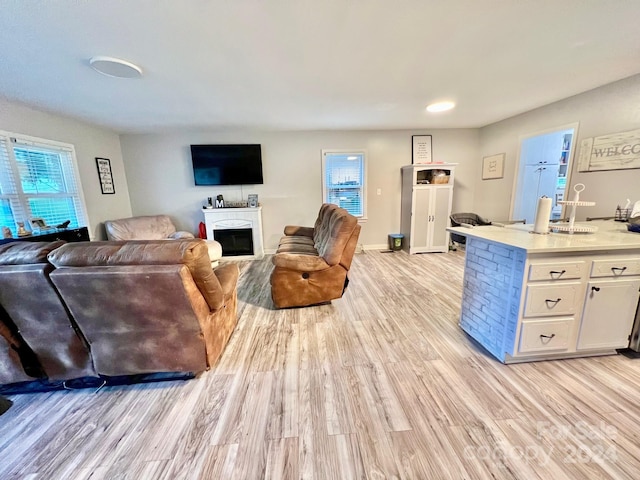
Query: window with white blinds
x,y
38,179
344,179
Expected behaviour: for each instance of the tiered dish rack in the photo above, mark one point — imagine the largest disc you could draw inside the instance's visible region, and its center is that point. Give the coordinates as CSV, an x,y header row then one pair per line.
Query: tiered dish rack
x,y
572,227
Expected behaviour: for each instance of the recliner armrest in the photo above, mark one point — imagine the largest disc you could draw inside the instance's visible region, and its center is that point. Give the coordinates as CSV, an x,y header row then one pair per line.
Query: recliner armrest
x,y
296,230
228,277
300,262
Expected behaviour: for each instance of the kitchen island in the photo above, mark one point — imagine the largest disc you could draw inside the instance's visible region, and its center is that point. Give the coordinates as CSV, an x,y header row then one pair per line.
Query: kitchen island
x,y
533,297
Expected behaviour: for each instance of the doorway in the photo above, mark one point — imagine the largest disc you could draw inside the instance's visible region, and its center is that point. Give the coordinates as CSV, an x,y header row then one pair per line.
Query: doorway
x,y
544,167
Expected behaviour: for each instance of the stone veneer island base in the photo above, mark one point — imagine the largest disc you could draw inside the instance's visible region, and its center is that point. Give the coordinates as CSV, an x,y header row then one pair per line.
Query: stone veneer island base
x,y
530,297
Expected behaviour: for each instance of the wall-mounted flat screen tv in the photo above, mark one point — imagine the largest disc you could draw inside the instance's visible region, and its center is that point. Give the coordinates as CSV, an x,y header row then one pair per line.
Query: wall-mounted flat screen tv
x,y
227,164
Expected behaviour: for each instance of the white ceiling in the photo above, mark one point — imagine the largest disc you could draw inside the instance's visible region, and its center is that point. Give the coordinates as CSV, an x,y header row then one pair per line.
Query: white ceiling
x,y
311,64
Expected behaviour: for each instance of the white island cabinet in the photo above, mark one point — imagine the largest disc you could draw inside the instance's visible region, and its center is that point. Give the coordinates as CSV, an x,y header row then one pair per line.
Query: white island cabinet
x,y
536,297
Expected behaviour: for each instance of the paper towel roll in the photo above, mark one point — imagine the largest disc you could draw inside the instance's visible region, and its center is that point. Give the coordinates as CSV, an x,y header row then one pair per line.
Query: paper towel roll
x,y
543,213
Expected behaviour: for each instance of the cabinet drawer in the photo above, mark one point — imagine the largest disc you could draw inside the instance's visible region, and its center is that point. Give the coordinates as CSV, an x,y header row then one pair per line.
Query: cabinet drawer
x,y
546,300
545,335
557,271
616,268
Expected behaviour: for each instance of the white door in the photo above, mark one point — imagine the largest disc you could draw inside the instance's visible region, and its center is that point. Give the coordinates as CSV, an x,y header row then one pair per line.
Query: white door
x,y
538,152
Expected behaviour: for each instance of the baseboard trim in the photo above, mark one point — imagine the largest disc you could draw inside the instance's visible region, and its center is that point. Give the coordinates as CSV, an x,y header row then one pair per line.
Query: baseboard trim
x,y
377,246
360,248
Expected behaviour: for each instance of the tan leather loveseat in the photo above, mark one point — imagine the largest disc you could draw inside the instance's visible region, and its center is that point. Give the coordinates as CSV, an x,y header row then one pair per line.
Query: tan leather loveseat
x,y
155,227
311,263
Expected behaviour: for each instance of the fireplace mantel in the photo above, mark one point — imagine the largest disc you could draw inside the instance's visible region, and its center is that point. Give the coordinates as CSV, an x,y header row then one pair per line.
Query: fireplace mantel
x,y
234,218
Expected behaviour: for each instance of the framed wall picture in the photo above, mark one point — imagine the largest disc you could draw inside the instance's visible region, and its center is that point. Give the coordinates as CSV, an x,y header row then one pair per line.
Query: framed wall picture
x,y
493,166
615,151
421,149
106,177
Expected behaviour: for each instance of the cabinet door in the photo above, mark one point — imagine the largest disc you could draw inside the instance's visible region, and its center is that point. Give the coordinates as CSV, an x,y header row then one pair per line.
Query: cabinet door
x,y
548,181
527,197
421,217
440,218
609,311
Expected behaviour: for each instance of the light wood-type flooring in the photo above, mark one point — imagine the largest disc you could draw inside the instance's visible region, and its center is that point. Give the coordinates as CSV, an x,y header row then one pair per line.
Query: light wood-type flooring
x,y
380,384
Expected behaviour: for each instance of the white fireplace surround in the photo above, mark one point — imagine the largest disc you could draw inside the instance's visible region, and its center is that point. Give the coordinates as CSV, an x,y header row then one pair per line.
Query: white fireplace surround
x,y
226,218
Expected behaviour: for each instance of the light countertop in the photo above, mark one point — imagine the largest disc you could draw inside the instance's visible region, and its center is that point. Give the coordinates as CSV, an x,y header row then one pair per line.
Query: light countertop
x,y
609,236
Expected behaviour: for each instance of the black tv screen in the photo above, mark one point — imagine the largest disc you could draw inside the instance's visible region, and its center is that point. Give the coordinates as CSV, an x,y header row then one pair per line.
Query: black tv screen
x,y
227,164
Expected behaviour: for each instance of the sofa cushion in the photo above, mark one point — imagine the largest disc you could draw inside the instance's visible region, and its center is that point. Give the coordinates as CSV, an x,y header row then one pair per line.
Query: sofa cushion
x,y
192,253
298,248
300,262
295,230
27,253
297,239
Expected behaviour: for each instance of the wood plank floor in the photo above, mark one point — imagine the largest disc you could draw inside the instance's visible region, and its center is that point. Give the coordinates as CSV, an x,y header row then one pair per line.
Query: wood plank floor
x,y
380,384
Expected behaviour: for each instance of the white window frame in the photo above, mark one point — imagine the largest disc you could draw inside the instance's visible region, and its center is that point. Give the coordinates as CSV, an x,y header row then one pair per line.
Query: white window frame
x,y
20,196
347,151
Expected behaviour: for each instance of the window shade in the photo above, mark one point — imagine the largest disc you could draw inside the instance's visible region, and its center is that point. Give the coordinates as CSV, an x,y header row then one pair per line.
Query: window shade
x,y
38,180
344,181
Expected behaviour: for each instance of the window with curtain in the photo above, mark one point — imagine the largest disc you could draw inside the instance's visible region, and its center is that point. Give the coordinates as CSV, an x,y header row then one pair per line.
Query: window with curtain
x,y
343,180
39,179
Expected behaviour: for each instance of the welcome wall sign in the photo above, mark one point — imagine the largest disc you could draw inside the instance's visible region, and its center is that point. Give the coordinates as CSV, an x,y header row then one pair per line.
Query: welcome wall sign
x,y
616,151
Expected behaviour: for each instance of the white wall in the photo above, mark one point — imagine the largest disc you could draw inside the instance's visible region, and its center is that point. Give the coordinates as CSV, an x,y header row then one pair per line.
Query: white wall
x,y
158,167
160,177
89,142
609,109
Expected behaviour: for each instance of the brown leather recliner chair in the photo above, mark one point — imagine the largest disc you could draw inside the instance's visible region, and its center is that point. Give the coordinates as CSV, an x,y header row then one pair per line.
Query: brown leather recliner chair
x,y
311,264
148,306
35,308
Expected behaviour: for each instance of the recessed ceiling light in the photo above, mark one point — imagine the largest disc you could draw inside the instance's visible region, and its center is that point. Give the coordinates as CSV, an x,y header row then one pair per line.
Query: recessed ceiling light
x,y
115,67
440,107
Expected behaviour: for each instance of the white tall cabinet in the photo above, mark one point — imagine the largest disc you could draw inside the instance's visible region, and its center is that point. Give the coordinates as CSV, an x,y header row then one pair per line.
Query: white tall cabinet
x,y
427,195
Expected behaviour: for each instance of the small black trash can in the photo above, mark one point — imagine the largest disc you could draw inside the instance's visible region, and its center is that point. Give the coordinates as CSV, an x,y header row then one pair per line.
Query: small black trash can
x,y
395,241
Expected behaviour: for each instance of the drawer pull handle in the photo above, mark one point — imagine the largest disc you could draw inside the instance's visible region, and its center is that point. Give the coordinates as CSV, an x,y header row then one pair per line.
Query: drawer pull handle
x,y
618,270
552,302
555,272
595,289
546,338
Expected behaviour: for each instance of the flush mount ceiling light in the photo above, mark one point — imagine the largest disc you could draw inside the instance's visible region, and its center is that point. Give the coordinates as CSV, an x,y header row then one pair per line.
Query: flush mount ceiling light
x,y
114,67
440,107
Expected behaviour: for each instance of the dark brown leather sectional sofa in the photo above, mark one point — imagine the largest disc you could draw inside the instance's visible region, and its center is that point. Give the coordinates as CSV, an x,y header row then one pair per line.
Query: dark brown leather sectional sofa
x,y
113,308
312,263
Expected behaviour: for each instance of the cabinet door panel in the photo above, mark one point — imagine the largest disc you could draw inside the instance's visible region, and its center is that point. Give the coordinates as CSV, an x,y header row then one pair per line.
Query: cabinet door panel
x,y
609,310
440,237
421,212
548,181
